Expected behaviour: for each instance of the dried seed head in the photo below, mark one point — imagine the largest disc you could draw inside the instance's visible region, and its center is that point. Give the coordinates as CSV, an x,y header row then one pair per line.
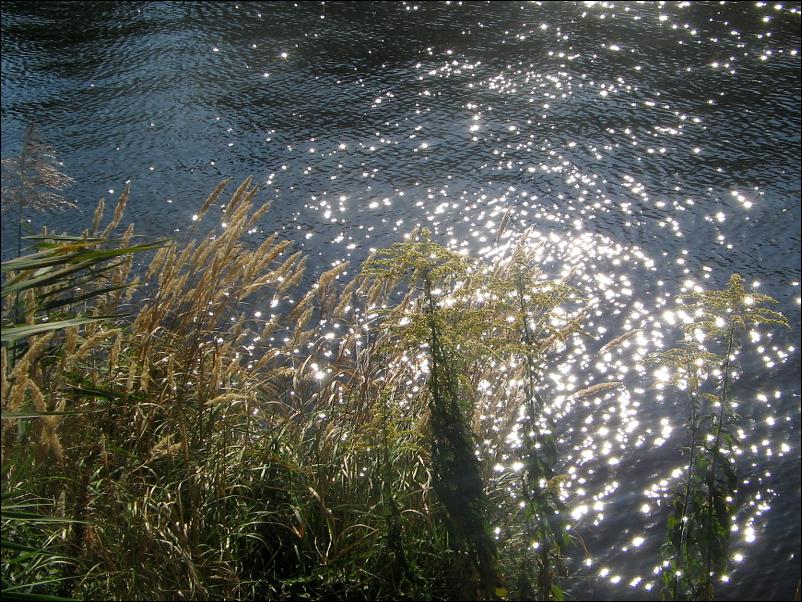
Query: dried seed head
x,y
101,204
118,213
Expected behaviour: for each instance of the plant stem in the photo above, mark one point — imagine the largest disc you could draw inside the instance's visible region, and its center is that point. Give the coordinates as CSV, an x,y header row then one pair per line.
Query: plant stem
x,y
715,450
688,482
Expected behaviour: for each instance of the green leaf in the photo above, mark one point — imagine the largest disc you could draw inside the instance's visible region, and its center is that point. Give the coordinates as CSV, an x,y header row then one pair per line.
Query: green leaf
x,y
12,545
43,238
33,517
42,259
23,415
50,306
23,597
22,331
79,280
46,278
57,255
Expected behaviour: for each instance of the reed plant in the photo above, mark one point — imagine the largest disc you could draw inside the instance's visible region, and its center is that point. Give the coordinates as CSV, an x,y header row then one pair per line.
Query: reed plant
x,y
61,289
33,179
196,448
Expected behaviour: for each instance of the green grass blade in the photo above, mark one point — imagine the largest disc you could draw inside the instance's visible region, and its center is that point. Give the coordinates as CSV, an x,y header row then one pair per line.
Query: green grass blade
x,y
56,255
26,415
48,277
33,517
11,545
32,597
15,333
50,306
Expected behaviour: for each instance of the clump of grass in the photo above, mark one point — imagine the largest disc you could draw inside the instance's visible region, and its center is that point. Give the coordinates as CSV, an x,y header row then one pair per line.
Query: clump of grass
x,y
66,285
205,456
237,438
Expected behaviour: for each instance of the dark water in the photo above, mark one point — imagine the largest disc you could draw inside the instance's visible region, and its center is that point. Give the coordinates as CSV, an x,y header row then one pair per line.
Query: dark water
x,y
655,147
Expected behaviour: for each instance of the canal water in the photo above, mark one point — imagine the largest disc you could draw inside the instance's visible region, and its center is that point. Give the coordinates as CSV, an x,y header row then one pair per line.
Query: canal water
x,y
652,147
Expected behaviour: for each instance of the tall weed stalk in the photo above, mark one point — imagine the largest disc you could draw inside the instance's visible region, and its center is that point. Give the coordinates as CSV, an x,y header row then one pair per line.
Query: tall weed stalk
x,y
695,553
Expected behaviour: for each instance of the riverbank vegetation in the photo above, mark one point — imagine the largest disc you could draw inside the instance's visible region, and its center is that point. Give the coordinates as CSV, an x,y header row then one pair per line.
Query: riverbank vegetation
x,y
205,428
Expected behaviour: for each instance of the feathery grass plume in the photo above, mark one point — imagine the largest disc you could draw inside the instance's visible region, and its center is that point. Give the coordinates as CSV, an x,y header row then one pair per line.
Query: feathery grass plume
x,y
16,398
30,307
238,221
243,194
328,276
165,446
167,271
226,398
301,307
699,523
48,437
304,316
5,386
268,329
596,389
157,262
127,236
119,210
619,340
210,200
258,284
302,337
32,354
503,225
202,253
264,360
91,344
294,279
231,285
33,179
282,270
130,290
254,265
183,258
268,245
376,293
38,399
323,285
114,353
257,215
346,297
98,215
269,251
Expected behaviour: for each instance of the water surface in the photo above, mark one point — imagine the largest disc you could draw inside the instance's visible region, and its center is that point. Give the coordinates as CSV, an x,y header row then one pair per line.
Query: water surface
x,y
654,147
